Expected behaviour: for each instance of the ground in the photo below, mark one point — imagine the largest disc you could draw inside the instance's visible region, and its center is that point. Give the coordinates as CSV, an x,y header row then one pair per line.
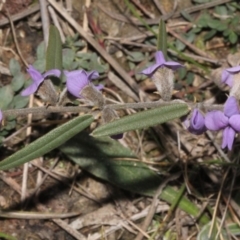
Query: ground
x,y
91,194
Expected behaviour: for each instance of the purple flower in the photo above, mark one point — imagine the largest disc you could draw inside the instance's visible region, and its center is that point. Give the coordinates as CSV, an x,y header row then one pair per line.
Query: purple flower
x,y
1,116
228,120
160,62
78,79
197,123
227,75
38,78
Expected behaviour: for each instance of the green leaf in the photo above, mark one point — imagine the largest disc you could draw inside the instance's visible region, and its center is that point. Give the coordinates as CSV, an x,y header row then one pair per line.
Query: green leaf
x,y
107,159
6,96
204,19
136,56
162,38
6,236
41,51
221,10
20,101
222,26
234,229
18,82
48,142
40,65
203,234
68,57
14,67
142,119
187,16
210,34
233,37
10,125
54,50
214,24
95,64
226,32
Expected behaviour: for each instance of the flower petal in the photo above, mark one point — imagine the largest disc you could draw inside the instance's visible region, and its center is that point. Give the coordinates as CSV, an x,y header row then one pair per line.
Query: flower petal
x,y
227,78
231,107
233,69
1,116
35,74
197,124
215,120
31,89
234,122
228,138
52,72
159,57
173,65
92,75
99,87
150,70
76,81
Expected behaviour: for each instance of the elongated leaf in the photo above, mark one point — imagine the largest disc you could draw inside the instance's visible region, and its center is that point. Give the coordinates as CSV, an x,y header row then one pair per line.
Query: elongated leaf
x,y
6,96
162,38
143,119
204,233
54,50
109,160
48,142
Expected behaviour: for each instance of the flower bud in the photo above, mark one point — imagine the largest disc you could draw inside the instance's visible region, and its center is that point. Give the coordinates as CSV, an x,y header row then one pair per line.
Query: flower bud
x,y
89,92
163,79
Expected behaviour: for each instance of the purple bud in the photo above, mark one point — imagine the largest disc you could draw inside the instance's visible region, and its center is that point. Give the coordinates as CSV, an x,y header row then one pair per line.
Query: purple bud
x,y
197,125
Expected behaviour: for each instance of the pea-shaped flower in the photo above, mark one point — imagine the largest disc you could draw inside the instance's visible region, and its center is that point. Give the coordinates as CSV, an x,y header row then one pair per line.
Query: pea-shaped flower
x,y
197,123
79,85
162,75
228,74
228,121
38,78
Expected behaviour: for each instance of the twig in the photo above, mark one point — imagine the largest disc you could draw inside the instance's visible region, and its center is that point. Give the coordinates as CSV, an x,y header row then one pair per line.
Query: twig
x,y
100,50
56,23
153,206
69,229
213,221
220,151
122,18
140,105
37,215
15,38
159,7
20,15
227,203
143,9
60,178
135,217
85,21
45,20
191,46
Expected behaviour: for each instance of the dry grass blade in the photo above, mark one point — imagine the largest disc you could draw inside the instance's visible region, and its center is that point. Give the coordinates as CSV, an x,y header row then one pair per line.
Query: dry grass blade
x,y
100,50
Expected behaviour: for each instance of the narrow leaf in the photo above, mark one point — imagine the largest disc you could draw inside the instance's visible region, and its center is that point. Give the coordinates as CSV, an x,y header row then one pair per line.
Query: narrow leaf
x,y
143,119
48,142
109,160
162,38
187,16
54,50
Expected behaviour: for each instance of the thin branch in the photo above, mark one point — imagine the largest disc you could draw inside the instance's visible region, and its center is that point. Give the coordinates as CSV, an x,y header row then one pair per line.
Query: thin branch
x,y
20,15
141,105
